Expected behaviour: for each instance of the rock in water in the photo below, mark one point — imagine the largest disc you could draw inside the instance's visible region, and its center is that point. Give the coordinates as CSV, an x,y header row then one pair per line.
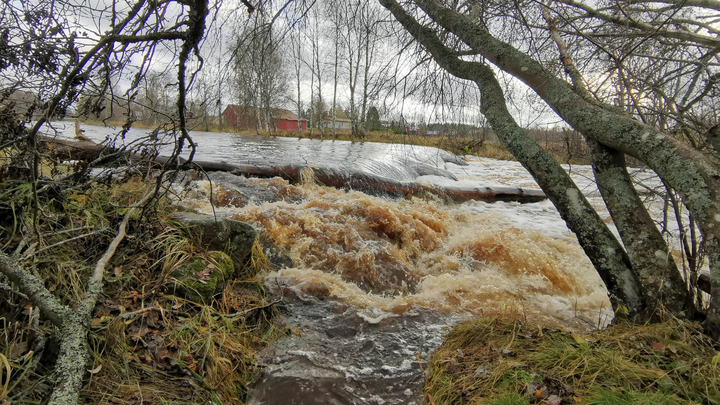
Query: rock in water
x,y
226,235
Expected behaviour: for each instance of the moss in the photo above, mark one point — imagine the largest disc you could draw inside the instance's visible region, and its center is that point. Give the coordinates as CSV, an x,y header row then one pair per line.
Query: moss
x,y
232,237
604,397
201,278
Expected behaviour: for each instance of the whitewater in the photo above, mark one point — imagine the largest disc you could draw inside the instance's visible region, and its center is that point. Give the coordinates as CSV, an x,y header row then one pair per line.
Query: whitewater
x,y
373,283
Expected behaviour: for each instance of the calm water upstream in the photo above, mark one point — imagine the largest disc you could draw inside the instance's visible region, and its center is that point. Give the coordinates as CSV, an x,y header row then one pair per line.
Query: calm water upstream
x,y
374,283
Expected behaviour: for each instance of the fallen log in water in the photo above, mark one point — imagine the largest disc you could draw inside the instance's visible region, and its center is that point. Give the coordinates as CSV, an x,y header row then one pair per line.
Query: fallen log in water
x,y
374,184
71,150
347,179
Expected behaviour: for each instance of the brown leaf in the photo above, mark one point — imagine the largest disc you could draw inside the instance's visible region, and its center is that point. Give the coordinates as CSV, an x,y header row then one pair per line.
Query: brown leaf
x,y
134,295
540,393
142,332
168,354
204,275
118,270
658,346
95,370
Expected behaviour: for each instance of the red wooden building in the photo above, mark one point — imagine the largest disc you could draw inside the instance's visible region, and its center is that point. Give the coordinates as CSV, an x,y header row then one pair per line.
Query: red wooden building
x,y
239,117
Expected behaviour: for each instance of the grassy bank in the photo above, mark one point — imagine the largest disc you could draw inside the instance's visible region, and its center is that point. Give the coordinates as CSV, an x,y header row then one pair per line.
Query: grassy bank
x,y
149,344
504,362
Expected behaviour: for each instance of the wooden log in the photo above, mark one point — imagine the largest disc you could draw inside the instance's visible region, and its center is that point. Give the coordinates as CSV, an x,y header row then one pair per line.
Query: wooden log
x,y
354,180
70,150
491,194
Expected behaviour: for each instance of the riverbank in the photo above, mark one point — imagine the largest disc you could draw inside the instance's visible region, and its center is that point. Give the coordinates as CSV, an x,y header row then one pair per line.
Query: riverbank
x,y
150,345
377,263
500,361
151,340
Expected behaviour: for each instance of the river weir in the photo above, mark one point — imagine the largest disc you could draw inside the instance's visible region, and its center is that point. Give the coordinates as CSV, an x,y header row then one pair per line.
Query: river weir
x,y
372,283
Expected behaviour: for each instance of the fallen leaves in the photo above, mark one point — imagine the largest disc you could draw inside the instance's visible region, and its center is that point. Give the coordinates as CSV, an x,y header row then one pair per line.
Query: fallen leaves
x,y
134,296
549,391
204,275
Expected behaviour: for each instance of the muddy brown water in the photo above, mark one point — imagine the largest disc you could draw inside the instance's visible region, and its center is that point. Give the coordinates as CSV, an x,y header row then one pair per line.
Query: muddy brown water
x,y
372,284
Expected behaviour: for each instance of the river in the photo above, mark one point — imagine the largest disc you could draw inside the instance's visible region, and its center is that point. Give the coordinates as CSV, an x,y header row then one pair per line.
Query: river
x,y
373,283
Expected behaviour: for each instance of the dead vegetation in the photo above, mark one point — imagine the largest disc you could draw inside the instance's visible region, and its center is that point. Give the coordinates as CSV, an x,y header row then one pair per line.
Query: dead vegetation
x,y
147,343
502,361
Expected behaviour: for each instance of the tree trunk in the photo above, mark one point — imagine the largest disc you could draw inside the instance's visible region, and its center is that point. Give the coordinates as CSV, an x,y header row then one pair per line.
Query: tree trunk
x,y
691,173
316,48
335,83
646,248
600,245
598,242
72,361
297,78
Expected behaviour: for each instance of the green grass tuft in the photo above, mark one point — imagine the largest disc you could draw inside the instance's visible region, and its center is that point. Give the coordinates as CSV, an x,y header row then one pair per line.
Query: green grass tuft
x,y
604,397
510,398
487,360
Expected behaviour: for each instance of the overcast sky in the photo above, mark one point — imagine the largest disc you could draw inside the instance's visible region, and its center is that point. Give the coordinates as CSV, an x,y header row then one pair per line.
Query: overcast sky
x,y
418,92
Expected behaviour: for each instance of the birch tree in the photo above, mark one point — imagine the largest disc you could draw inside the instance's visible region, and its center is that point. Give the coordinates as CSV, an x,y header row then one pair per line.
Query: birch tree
x,y
261,79
297,61
466,40
334,16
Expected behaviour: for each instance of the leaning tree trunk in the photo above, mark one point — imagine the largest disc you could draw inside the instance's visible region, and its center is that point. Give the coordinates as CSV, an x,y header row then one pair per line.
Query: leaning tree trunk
x,y
648,252
688,171
644,244
600,245
598,242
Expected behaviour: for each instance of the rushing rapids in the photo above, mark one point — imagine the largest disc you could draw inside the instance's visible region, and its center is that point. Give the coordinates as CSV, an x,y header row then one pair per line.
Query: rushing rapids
x,y
396,256
372,283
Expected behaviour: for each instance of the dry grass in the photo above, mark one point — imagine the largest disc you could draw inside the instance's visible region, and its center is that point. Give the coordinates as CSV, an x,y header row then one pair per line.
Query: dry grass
x,y
148,345
501,361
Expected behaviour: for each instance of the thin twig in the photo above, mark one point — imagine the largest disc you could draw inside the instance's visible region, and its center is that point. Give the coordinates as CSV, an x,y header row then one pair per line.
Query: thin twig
x,y
82,228
95,283
62,242
128,315
247,311
6,287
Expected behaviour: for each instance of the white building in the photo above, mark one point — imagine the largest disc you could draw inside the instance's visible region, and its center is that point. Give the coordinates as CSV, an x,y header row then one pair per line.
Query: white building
x,y
340,123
